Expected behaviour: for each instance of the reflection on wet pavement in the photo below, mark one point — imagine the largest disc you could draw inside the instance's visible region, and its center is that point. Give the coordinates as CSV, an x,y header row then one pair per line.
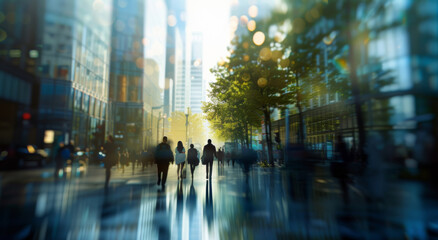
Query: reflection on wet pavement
x,y
267,203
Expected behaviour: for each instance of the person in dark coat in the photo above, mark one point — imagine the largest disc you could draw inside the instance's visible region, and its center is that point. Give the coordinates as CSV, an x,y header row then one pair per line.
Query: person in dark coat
x,y
342,174
62,154
193,158
209,153
72,149
163,156
110,160
220,156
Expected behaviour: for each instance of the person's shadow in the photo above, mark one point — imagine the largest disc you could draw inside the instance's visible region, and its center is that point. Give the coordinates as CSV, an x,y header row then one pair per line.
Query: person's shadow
x,y
179,200
191,204
191,200
161,216
208,208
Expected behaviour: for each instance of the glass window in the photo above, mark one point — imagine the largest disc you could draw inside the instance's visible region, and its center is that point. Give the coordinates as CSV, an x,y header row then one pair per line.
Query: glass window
x,y
86,103
103,110
78,100
92,106
47,94
97,109
61,96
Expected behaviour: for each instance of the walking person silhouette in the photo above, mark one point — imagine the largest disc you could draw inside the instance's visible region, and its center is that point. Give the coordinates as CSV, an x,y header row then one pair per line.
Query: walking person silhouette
x,y
110,159
209,153
180,158
193,158
163,156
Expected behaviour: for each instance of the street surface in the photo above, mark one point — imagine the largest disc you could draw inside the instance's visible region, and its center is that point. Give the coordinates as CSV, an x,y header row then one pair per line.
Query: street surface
x,y
268,203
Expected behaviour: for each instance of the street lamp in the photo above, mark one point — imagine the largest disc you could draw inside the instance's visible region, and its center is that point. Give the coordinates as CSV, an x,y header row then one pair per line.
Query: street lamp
x,y
152,118
158,126
187,126
164,120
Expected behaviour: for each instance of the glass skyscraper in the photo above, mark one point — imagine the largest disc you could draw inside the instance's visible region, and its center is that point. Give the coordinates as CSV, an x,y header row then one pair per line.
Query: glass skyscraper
x,y
65,44
197,85
126,73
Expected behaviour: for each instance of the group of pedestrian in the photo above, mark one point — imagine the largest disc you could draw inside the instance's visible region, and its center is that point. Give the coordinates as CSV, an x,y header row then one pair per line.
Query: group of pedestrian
x,y
164,156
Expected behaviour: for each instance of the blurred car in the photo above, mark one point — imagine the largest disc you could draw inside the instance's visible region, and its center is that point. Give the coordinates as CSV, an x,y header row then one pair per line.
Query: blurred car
x,y
23,156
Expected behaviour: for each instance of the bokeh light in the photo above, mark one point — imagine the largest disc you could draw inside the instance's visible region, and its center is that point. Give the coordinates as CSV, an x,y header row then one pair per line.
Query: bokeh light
x,y
221,62
245,45
171,20
245,58
243,20
258,38
251,25
253,11
197,62
145,41
279,37
234,23
262,82
265,54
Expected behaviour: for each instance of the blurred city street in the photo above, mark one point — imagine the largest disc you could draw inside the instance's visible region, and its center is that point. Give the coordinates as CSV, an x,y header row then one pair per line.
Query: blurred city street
x,y
301,202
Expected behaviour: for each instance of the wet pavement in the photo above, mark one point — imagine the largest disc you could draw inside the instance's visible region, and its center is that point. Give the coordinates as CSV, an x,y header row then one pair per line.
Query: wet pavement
x,y
302,202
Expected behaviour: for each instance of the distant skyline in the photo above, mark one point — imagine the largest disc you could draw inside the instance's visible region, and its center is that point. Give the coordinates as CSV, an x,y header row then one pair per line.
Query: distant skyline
x,y
211,18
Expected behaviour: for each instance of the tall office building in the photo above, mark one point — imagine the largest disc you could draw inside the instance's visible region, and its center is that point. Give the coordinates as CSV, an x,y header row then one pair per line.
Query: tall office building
x,y
65,45
154,68
127,73
197,85
177,59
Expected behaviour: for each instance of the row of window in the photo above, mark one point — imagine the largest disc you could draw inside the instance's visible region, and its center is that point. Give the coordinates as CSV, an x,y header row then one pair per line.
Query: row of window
x,y
15,89
60,95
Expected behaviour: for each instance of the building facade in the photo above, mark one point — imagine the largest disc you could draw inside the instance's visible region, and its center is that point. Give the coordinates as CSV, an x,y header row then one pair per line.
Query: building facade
x,y
398,85
65,45
197,85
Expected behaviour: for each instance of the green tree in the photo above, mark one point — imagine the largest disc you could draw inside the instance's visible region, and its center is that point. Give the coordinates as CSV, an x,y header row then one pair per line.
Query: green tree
x,y
250,84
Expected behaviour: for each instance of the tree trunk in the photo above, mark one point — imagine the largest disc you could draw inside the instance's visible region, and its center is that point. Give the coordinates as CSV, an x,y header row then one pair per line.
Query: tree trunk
x,y
250,137
355,87
268,128
301,119
246,135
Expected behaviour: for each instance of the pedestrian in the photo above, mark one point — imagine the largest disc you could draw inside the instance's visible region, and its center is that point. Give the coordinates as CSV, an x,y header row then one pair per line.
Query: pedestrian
x,y
124,159
220,156
180,158
228,157
62,154
163,156
209,153
110,158
144,157
193,158
71,148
